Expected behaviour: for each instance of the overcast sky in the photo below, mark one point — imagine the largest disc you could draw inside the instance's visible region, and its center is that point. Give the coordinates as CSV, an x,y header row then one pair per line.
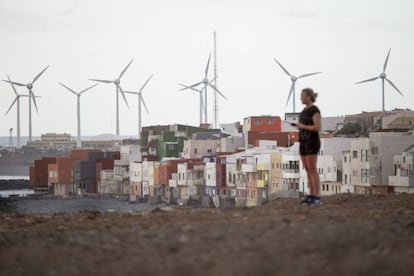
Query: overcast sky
x,y
81,39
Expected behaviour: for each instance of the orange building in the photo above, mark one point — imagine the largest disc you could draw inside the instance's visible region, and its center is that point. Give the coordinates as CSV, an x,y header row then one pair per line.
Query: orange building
x,y
262,124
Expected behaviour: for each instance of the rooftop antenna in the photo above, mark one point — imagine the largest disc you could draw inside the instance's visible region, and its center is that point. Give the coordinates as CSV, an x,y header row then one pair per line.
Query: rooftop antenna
x,y
383,78
216,106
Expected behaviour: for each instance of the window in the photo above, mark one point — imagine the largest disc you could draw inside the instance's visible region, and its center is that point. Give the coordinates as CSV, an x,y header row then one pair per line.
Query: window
x,y
258,121
209,151
354,154
364,175
327,187
345,179
374,150
171,146
270,121
364,155
195,150
229,176
344,159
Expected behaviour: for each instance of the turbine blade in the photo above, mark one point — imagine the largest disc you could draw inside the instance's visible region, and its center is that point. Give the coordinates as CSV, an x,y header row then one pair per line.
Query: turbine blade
x,y
215,89
123,95
143,86
191,86
283,68
68,88
143,102
395,87
371,79
38,75
15,83
86,89
131,92
15,100
208,65
126,68
290,92
34,100
386,61
309,74
213,79
104,81
12,85
188,87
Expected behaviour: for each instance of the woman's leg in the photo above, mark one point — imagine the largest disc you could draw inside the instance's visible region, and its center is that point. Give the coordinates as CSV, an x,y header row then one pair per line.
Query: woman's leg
x,y
305,164
314,175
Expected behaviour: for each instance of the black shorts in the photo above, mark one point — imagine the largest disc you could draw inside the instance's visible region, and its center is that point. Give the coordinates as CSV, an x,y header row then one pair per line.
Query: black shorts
x,y
310,147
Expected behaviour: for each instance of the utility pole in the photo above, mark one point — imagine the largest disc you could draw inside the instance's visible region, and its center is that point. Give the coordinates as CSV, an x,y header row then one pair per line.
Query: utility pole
x,y
216,107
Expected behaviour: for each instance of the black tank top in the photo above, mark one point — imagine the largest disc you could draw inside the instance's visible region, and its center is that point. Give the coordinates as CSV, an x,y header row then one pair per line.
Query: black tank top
x,y
305,117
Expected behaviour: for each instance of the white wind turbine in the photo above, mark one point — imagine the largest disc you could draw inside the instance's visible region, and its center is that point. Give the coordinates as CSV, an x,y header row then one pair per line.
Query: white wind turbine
x,y
293,79
32,97
383,78
117,83
78,95
200,92
205,82
140,101
17,102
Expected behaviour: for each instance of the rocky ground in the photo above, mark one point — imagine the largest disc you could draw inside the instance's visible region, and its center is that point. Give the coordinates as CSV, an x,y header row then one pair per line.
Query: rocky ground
x,y
347,235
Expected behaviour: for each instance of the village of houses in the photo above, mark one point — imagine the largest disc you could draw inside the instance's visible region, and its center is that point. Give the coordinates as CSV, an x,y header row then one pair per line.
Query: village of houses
x,y
237,165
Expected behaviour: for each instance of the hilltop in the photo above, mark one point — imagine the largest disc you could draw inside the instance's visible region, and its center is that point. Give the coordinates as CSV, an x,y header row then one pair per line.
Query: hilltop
x,y
347,235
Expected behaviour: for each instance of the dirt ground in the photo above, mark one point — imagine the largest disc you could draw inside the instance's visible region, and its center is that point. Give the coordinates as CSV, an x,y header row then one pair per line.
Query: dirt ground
x,y
347,235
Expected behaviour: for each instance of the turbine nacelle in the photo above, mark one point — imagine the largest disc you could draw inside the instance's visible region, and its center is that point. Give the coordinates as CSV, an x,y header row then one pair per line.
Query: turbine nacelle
x,y
29,86
294,78
117,81
383,76
205,81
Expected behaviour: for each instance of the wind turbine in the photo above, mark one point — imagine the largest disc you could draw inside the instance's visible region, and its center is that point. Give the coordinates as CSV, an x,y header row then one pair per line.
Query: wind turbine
x,y
199,91
117,83
383,78
293,79
205,82
17,102
78,95
32,97
140,101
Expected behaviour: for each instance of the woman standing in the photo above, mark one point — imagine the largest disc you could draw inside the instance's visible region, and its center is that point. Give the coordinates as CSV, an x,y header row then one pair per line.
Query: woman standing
x,y
309,126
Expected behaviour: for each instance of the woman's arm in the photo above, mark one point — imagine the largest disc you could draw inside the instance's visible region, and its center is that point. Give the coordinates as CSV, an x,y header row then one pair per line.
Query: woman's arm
x,y
316,119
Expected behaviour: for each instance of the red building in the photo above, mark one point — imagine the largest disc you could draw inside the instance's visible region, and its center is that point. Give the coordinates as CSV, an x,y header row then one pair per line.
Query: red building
x,y
39,172
262,124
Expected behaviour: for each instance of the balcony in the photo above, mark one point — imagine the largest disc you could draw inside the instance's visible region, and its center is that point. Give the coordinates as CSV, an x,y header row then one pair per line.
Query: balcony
x,y
401,181
246,168
290,173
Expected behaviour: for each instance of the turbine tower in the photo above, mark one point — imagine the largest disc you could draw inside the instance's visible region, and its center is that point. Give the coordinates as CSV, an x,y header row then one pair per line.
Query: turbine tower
x,y
293,79
383,78
140,101
199,91
78,95
119,89
32,97
205,82
17,102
